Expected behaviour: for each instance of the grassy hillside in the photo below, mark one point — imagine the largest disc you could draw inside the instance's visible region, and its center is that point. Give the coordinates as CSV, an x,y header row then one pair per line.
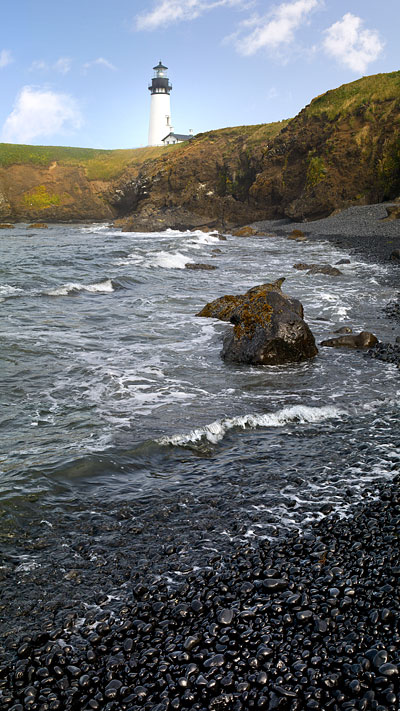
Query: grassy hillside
x,y
254,135
108,164
366,93
98,164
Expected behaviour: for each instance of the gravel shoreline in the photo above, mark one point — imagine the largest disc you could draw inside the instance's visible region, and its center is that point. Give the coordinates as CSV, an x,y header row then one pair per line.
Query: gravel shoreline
x,y
311,622
362,229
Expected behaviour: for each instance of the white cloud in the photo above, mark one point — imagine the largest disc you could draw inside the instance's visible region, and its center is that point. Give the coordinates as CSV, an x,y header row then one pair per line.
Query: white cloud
x,y
351,45
100,61
5,58
272,93
276,28
39,65
63,65
40,112
166,12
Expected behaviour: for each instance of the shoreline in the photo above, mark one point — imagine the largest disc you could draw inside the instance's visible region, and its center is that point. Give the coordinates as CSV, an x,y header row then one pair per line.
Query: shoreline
x,y
309,622
361,229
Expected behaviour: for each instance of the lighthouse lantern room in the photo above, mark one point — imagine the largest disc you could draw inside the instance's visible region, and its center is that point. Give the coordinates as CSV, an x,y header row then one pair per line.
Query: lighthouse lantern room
x,y
160,110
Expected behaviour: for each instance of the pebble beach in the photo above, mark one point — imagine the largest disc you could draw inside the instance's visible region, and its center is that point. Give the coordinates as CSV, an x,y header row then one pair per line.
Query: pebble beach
x,y
362,228
310,620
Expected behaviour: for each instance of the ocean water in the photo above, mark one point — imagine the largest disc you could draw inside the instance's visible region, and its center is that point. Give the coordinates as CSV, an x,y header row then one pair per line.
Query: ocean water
x,y
116,406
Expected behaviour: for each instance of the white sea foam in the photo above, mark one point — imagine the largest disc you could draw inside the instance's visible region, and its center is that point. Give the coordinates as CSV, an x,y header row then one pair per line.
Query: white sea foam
x,y
217,430
163,259
96,228
101,287
170,260
8,290
202,238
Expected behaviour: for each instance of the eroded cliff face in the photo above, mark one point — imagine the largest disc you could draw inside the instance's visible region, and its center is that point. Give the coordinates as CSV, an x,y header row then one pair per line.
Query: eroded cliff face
x,y
204,182
330,157
57,193
342,149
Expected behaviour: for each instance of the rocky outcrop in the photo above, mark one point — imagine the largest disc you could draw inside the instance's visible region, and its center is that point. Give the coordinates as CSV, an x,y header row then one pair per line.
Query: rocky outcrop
x,y
340,150
268,327
152,219
365,339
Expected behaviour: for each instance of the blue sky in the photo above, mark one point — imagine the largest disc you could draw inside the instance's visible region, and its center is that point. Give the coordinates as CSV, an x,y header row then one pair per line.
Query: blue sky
x,y
76,73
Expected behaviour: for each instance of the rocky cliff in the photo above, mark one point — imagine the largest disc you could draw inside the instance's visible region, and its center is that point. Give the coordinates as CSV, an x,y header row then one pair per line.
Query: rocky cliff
x,y
341,149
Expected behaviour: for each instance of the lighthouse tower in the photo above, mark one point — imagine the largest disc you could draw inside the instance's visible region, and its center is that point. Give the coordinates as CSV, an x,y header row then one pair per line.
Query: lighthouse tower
x,y
160,111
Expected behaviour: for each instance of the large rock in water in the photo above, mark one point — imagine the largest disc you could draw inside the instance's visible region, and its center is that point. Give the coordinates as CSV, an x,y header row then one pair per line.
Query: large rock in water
x,y
268,328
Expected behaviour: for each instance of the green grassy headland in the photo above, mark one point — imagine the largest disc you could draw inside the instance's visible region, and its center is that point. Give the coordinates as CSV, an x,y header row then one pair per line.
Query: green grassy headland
x,y
107,164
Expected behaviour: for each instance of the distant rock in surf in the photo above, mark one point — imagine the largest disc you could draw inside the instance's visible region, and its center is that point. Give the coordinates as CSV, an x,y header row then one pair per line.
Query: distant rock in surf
x,y
365,339
194,265
318,269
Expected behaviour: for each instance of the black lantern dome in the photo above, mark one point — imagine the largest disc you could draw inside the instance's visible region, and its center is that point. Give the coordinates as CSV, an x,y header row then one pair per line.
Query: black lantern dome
x,y
160,82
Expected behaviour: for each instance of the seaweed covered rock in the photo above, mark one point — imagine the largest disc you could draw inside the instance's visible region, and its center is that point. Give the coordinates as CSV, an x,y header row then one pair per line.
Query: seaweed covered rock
x,y
246,231
221,308
268,327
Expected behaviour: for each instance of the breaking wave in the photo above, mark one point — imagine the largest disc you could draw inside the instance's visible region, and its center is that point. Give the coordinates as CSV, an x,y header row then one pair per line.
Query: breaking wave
x,y
217,430
169,260
7,290
101,287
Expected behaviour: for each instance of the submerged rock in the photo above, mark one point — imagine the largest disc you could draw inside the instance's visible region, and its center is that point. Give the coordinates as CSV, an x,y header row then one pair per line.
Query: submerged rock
x,y
268,327
194,265
344,329
37,226
365,339
318,269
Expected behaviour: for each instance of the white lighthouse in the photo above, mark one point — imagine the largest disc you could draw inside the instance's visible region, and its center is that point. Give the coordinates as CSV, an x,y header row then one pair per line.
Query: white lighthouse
x,y
160,110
